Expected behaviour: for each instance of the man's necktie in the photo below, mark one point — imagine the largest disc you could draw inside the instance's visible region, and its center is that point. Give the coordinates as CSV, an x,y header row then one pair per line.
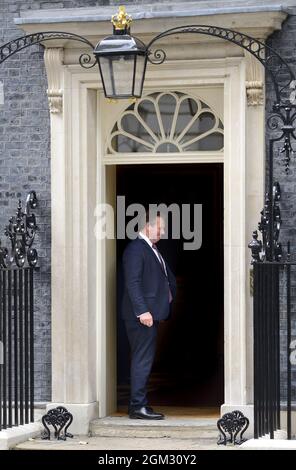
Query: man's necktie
x,y
163,268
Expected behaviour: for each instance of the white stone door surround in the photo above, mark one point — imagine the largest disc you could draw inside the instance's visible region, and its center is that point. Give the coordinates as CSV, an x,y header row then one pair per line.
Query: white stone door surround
x,y
83,369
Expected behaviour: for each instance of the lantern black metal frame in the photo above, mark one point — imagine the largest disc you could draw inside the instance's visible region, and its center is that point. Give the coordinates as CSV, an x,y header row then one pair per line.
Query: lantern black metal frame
x,y
121,46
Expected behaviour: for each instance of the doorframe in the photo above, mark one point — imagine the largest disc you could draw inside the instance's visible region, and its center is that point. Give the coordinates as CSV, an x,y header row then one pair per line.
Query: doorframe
x,y
232,77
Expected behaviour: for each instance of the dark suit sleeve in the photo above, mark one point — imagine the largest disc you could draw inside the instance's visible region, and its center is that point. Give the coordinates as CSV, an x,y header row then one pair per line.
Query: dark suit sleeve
x,y
133,265
172,282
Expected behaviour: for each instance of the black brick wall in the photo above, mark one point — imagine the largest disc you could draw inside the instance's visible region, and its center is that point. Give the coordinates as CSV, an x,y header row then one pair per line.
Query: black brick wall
x,y
284,42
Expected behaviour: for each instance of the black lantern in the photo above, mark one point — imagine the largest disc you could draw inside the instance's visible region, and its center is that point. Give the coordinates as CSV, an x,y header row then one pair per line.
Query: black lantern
x,y
122,60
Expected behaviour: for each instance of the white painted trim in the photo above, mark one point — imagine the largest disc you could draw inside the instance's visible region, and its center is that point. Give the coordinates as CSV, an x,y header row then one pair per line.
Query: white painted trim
x,y
144,158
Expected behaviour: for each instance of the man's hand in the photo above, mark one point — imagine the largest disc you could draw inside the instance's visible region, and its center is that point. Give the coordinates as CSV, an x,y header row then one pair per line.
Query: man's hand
x,y
146,319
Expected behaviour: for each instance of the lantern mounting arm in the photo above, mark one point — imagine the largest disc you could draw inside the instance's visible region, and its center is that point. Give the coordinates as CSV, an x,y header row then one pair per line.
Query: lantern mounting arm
x,y
280,72
18,44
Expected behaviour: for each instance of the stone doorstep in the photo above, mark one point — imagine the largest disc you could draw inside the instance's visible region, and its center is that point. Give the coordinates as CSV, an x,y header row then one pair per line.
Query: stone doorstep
x,y
179,428
124,433
169,421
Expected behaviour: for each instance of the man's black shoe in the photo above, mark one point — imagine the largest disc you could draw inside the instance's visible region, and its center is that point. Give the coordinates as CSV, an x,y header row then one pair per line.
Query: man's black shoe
x,y
145,413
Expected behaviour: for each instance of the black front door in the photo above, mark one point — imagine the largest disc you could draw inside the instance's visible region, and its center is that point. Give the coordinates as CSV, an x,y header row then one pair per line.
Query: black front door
x,y
188,368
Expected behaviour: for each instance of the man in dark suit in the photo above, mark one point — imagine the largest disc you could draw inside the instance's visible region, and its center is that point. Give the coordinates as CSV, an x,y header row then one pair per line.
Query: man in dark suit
x,y
150,287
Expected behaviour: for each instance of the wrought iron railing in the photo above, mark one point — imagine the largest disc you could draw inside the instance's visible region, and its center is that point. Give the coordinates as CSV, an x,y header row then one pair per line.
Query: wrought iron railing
x,y
17,266
274,290
274,348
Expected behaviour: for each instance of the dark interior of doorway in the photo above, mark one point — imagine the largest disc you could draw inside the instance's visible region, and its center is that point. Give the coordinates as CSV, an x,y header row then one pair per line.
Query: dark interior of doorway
x,y
188,368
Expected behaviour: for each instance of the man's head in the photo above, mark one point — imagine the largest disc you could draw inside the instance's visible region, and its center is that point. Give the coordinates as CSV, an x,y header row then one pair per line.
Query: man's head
x,y
153,226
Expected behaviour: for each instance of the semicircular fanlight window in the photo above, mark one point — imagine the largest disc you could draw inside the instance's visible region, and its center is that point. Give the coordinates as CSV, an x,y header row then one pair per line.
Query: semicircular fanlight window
x,y
167,122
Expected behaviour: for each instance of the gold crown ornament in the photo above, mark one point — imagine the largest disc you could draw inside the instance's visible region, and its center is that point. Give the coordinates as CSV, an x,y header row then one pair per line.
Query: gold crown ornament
x,y
121,21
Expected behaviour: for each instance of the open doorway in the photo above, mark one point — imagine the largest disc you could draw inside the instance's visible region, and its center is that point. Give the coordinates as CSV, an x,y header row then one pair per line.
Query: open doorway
x,y
189,366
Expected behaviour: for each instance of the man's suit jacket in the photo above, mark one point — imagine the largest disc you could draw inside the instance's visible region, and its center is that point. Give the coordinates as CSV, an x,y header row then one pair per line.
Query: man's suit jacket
x,y
146,285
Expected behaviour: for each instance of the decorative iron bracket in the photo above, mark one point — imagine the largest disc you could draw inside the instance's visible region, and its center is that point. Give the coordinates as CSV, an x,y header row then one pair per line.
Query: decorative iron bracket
x,y
233,423
21,232
269,249
283,121
280,72
17,45
60,418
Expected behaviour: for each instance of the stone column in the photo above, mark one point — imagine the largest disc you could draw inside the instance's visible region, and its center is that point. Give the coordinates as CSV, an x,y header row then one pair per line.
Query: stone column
x,y
73,168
